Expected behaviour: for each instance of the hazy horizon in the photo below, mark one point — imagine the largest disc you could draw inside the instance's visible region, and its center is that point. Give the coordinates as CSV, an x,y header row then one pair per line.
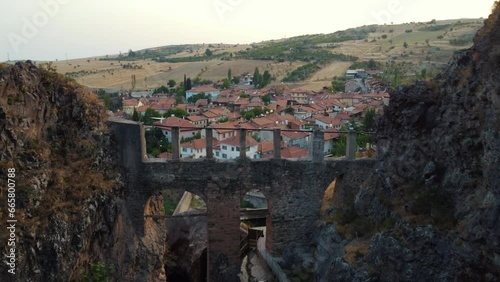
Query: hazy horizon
x,y
54,29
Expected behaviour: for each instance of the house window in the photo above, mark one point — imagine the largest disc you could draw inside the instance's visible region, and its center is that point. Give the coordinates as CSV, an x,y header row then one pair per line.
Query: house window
x,y
237,149
224,147
224,156
232,149
248,149
217,154
193,133
184,149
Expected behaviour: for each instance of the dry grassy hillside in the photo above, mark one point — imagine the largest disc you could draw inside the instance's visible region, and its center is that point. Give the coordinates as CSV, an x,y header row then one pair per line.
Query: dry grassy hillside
x,y
427,46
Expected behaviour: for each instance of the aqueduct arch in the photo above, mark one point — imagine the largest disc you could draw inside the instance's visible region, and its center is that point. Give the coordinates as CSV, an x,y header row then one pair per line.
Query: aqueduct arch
x,y
293,189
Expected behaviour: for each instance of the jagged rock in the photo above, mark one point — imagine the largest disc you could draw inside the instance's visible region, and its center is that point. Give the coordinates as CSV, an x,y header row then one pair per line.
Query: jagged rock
x,y
437,178
68,193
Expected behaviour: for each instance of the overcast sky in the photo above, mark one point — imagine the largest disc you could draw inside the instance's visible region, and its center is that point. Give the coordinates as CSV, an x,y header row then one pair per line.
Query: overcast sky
x,y
50,29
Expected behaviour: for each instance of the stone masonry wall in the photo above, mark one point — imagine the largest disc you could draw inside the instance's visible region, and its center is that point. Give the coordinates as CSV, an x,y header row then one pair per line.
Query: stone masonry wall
x,y
294,190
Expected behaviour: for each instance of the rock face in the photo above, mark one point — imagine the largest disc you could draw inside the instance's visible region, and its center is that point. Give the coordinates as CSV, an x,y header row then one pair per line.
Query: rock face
x,y
434,201
69,208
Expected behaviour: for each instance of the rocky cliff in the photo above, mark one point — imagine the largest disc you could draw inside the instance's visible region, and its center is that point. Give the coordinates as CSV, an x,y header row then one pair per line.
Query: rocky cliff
x,y
71,219
431,210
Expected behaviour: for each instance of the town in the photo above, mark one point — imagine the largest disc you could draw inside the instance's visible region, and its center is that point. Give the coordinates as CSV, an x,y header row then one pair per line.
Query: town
x,y
238,102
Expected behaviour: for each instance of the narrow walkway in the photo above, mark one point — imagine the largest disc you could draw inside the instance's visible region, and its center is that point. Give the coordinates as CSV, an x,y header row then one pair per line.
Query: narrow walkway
x,y
254,268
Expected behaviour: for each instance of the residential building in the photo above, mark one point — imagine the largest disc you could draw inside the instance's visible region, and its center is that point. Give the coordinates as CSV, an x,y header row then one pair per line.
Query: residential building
x,y
198,121
187,129
207,89
327,122
230,148
266,149
295,138
195,149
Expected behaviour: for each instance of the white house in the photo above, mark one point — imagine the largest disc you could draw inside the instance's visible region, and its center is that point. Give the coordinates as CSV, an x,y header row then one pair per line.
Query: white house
x,y
327,122
187,129
207,89
230,148
194,149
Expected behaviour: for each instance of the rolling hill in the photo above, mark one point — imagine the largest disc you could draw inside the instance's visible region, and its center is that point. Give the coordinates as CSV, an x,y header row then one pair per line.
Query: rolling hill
x,y
415,49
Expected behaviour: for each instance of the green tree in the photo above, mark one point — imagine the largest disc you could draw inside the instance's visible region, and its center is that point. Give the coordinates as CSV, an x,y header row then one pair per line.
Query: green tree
x,y
229,74
133,81
209,52
226,83
266,79
405,44
199,96
131,53
161,89
338,85
188,84
266,99
171,83
156,142
256,76
180,113
135,115
372,64
107,101
236,80
369,119
148,116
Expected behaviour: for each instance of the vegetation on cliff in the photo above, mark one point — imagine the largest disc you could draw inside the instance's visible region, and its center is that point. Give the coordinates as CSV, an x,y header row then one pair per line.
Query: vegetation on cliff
x,y
53,133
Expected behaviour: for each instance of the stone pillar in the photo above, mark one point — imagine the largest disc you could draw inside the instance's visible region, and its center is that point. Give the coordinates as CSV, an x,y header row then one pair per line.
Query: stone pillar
x,y
223,223
318,146
209,137
144,152
277,143
243,141
350,153
176,145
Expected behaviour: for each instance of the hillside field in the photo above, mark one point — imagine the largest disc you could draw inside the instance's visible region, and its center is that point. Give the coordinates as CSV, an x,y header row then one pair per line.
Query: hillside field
x,y
428,45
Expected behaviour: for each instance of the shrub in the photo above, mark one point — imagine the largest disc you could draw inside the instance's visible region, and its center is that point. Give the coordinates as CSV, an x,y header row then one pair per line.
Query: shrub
x,y
98,273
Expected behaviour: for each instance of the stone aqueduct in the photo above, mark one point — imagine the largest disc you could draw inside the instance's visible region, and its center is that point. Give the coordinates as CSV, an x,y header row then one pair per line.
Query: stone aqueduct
x,y
294,191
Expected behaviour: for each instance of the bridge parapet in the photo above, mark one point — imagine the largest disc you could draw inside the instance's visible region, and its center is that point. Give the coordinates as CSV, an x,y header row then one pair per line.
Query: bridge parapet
x,y
312,145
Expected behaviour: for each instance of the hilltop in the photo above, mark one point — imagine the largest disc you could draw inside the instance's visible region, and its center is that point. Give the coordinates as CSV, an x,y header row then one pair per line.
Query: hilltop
x,y
429,46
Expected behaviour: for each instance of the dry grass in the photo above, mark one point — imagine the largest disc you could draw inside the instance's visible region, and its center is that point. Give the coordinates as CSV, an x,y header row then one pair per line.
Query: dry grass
x,y
328,72
354,250
110,74
154,74
328,197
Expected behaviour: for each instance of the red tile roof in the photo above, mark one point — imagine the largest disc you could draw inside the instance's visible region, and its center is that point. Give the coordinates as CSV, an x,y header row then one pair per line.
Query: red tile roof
x,y
174,121
235,141
203,88
266,146
195,118
195,144
294,152
295,134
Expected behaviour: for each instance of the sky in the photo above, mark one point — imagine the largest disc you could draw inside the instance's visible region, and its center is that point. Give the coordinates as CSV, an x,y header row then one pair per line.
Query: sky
x,y
60,29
